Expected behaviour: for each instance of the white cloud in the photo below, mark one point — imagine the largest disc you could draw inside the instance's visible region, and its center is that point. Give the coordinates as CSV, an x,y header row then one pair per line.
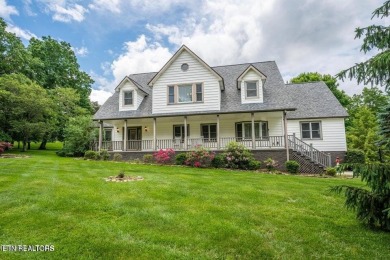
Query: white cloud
x,y
7,10
100,96
139,56
82,52
68,14
24,34
65,10
27,8
300,37
106,5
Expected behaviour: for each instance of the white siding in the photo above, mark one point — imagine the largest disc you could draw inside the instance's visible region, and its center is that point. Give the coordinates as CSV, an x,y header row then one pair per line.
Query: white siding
x,y
196,73
137,96
333,133
251,76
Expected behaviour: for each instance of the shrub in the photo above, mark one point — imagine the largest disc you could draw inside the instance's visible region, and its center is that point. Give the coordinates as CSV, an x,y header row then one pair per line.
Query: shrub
x,y
136,161
91,155
219,160
121,175
181,158
104,155
271,164
199,157
148,158
238,156
164,156
355,156
4,146
117,157
292,167
331,171
254,165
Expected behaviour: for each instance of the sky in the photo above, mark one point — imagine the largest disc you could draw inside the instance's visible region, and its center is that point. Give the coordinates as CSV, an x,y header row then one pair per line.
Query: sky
x,y
114,38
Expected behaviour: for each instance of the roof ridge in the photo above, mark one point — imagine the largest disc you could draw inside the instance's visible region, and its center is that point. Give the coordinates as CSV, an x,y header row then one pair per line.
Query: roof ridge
x,y
142,73
309,82
246,63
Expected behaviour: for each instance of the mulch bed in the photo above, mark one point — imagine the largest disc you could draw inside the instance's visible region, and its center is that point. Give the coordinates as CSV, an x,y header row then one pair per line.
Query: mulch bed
x,y
7,155
124,179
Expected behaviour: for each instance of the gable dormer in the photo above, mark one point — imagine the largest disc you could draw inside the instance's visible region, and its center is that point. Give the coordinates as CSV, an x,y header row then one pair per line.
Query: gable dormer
x,y
131,94
251,83
186,84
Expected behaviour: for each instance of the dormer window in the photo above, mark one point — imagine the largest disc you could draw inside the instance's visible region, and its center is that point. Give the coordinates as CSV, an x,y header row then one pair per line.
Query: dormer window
x,y
128,98
251,89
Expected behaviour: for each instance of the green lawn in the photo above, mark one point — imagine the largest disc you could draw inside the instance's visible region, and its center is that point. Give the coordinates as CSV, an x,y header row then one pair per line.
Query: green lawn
x,y
174,213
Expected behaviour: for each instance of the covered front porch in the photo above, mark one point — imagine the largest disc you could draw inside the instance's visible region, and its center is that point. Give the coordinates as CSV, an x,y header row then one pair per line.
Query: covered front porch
x,y
255,130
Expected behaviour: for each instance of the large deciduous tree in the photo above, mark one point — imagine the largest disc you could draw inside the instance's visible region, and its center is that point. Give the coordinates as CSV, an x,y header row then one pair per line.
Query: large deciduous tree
x,y
330,81
25,108
58,67
372,204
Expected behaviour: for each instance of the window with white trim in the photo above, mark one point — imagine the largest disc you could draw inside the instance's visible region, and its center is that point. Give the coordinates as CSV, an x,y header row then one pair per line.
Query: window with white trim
x,y
128,98
311,130
209,132
185,93
244,130
251,89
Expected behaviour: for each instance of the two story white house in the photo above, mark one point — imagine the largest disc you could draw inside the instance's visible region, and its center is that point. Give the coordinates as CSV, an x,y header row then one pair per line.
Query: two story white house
x,y
189,103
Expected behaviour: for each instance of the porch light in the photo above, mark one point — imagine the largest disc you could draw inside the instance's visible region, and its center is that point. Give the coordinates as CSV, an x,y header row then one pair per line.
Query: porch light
x,y
146,129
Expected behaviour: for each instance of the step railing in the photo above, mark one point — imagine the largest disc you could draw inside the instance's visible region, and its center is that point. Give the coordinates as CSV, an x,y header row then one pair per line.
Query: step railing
x,y
309,151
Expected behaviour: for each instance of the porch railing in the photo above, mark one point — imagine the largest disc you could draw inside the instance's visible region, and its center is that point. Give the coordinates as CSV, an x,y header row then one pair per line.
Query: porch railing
x,y
179,143
309,151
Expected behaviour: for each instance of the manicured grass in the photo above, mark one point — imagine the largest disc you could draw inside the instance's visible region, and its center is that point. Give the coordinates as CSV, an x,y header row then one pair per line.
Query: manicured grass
x,y
174,213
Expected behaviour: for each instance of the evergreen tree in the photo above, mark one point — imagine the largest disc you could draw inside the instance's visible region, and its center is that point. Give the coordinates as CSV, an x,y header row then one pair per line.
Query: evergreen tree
x,y
372,205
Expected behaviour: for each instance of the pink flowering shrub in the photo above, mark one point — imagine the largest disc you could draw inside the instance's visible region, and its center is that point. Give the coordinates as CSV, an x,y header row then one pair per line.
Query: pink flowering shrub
x,y
4,146
237,156
165,156
199,157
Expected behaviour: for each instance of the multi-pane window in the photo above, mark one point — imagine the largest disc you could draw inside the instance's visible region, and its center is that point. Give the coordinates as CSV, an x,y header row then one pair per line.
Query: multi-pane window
x,y
128,98
209,132
251,88
107,135
244,130
311,130
185,93
178,132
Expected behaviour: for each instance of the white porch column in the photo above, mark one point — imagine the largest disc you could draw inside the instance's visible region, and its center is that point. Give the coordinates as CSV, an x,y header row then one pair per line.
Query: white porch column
x,y
253,131
154,135
185,134
218,141
100,135
286,135
125,137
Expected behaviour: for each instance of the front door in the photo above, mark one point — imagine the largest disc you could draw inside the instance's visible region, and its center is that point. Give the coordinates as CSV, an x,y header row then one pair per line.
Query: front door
x,y
134,135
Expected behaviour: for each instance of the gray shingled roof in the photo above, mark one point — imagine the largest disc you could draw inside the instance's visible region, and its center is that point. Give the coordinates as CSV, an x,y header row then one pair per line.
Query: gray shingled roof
x,y
311,99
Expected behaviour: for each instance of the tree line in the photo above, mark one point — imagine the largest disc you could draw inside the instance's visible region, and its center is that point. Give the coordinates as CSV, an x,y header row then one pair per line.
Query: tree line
x,y
41,88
